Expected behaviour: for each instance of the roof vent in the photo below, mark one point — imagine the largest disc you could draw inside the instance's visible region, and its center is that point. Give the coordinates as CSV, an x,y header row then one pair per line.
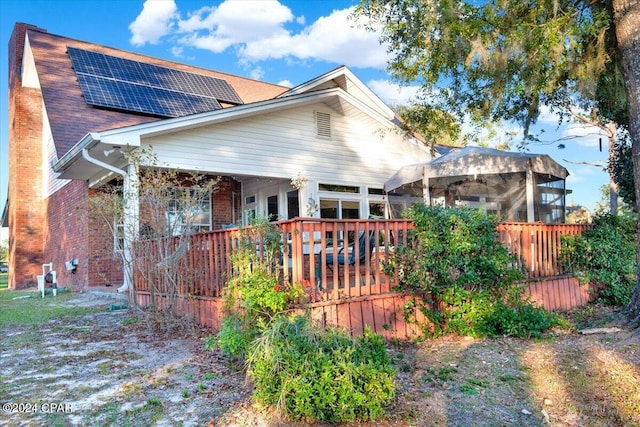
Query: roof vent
x,y
323,124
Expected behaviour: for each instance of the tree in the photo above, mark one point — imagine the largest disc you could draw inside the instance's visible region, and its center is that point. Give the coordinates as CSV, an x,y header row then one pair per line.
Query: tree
x,y
504,59
621,167
152,241
4,250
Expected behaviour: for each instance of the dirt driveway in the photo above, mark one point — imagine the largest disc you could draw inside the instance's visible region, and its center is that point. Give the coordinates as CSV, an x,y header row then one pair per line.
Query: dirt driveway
x,y
108,369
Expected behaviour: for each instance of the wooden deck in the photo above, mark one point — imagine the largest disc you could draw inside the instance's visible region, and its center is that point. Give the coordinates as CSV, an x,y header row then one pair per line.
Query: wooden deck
x,y
339,262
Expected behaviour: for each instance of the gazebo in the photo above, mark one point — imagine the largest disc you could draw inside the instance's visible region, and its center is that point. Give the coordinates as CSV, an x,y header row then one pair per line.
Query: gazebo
x,y
515,186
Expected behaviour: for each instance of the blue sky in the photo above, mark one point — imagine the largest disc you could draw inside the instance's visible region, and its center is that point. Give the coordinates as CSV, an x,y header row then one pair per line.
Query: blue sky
x,y
286,41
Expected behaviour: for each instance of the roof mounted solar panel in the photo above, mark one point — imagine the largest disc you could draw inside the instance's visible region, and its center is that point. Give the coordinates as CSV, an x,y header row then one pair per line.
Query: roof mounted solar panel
x,y
122,84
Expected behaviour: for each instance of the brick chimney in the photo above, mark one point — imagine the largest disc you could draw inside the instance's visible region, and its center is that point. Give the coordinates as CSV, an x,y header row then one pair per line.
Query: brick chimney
x,y
26,207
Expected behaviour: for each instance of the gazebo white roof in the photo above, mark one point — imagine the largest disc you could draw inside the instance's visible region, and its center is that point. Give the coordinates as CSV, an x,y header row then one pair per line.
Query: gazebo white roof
x,y
476,161
518,185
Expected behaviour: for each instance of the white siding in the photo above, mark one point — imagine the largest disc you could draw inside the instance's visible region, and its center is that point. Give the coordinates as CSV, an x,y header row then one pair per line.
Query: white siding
x,y
51,183
282,144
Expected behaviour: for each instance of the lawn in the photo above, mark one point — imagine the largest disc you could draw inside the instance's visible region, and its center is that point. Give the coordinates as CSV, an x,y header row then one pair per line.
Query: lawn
x,y
4,280
30,309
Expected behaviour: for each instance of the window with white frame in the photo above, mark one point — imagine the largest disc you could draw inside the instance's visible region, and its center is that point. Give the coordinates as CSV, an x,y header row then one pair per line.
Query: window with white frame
x,y
188,210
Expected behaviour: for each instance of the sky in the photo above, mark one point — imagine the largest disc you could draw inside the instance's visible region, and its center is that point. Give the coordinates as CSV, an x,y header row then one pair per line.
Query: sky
x,y
287,42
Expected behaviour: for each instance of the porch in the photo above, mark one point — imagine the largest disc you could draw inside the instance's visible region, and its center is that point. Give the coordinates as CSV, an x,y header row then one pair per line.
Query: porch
x,y
339,263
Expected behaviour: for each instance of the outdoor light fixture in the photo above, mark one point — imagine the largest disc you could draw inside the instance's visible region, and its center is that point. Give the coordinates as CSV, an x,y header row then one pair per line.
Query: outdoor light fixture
x,y
72,265
111,150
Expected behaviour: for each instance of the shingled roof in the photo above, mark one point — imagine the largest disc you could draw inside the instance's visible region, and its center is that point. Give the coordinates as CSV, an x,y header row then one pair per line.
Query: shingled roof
x,y
71,118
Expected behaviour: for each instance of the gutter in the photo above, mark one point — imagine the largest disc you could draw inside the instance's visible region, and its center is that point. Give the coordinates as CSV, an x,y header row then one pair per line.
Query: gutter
x,y
87,157
90,140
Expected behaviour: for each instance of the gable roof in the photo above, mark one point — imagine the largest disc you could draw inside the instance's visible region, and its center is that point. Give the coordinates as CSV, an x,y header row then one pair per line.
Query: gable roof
x,y
343,78
73,165
63,98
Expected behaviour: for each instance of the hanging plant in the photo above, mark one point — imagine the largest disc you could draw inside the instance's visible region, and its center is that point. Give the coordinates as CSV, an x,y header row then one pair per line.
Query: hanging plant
x,y
299,181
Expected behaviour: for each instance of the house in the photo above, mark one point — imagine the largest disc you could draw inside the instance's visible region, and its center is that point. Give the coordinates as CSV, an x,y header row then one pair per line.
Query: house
x,y
75,106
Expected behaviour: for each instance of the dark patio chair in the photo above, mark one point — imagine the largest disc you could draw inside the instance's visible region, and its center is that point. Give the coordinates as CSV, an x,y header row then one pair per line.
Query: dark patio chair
x,y
365,245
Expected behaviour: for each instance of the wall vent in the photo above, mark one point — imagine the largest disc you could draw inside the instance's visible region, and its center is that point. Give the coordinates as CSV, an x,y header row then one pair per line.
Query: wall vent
x,y
323,124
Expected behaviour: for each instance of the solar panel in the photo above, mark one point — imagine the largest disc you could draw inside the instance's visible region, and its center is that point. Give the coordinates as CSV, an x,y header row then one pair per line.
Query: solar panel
x,y
118,83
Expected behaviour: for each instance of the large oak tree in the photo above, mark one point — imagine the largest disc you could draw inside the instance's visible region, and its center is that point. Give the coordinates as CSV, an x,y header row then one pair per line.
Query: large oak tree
x,y
504,59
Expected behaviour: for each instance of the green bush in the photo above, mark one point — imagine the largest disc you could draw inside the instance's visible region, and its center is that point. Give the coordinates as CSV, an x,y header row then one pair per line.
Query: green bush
x,y
605,256
318,374
521,319
254,295
465,277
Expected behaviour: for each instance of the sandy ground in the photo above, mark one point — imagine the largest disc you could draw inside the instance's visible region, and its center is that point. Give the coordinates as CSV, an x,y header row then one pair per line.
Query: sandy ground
x,y
108,369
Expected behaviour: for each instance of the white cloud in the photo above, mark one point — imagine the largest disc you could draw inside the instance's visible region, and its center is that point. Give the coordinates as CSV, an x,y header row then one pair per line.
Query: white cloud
x,y
177,51
257,73
333,38
258,31
587,136
547,117
234,23
392,93
154,22
285,83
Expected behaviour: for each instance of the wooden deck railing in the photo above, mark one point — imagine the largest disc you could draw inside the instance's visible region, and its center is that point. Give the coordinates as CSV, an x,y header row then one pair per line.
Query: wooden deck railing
x,y
333,259
537,245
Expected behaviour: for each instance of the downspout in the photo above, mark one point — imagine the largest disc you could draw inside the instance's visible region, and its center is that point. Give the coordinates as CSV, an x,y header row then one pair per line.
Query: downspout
x,y
87,157
125,175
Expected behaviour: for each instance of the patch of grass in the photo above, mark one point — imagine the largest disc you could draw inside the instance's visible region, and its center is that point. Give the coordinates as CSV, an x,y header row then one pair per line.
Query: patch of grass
x,y
131,320
111,412
22,339
105,367
508,378
445,373
209,377
35,310
478,382
469,389
131,389
4,280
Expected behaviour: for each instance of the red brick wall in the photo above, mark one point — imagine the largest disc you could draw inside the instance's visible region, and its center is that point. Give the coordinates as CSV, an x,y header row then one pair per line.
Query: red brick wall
x,y
67,232
222,201
105,265
25,213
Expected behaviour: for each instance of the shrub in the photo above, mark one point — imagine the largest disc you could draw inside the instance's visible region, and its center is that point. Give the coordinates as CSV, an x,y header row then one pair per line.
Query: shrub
x,y
518,318
254,295
605,256
313,373
464,275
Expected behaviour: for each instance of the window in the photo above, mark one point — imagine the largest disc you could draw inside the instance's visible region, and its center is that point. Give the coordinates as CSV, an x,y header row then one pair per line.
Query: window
x,y
272,208
376,191
189,210
339,209
323,124
376,209
293,204
339,188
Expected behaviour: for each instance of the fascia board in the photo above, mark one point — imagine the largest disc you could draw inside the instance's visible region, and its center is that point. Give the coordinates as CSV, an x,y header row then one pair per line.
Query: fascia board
x,y
308,86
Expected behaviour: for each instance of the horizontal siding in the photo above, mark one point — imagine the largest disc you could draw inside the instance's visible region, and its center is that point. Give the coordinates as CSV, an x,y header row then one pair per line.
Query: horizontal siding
x,y
51,183
281,144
